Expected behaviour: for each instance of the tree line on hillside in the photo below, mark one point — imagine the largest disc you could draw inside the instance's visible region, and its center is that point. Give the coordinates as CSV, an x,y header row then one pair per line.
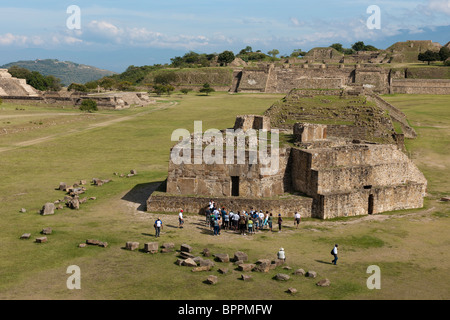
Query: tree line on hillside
x,y
35,79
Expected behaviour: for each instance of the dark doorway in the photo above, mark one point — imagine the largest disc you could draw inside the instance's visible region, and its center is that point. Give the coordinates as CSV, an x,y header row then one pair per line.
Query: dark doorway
x,y
370,211
235,186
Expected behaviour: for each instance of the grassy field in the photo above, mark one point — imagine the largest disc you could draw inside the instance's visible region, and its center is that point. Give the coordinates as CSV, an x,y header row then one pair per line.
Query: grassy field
x,y
410,247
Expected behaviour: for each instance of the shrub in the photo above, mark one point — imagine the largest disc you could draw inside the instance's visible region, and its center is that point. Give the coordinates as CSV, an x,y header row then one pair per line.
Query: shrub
x,y
89,105
185,90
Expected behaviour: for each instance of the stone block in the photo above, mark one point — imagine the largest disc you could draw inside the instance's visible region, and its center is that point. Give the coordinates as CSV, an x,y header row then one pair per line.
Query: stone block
x,y
151,247
41,239
130,245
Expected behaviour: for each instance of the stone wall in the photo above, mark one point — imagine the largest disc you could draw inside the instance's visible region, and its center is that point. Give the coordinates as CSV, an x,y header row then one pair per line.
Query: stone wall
x,y
371,201
284,78
217,179
420,86
162,202
256,122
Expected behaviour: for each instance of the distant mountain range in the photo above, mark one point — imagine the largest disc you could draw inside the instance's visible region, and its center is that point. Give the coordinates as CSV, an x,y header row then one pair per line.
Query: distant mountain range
x,y
68,72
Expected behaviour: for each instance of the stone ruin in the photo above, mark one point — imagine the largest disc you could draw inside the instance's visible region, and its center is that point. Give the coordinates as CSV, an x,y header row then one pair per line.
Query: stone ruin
x,y
18,91
14,87
322,177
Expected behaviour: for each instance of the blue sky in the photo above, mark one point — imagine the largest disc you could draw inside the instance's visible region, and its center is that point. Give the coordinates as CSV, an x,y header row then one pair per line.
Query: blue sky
x,y
116,34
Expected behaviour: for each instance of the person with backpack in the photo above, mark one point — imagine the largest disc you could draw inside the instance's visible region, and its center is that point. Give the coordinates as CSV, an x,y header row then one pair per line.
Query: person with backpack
x,y
334,252
158,226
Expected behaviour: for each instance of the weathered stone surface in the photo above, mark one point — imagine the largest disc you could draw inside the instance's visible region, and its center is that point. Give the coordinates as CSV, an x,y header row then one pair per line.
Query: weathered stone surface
x,y
168,245
133,172
311,274
445,198
278,262
212,279
206,252
179,262
82,245
222,257
23,210
292,290
262,265
201,268
299,272
186,255
324,283
103,244
151,247
74,203
240,256
282,277
48,208
186,248
206,262
41,239
62,186
246,267
93,242
25,236
189,263
47,231
223,270
131,245
246,277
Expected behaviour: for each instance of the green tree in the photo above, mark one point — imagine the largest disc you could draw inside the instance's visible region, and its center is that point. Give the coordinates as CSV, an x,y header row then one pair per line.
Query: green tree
x,y
444,53
77,87
429,56
206,89
359,46
165,77
226,57
273,53
88,105
338,47
297,53
185,90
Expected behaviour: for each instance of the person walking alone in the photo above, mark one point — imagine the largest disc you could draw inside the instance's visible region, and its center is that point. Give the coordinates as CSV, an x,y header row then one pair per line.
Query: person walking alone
x,y
180,219
297,219
334,252
158,226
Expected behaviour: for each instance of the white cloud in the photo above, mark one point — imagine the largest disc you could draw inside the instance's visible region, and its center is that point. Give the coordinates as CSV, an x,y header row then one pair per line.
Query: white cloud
x,y
439,6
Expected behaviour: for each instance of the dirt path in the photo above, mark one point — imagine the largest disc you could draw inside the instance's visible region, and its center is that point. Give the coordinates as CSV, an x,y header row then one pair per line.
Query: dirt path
x,y
74,131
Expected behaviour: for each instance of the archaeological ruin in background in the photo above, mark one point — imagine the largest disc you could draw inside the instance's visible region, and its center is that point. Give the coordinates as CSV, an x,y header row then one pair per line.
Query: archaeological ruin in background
x,y
18,91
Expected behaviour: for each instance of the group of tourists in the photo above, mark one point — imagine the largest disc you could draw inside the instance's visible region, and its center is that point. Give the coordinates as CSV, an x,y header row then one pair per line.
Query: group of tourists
x,y
245,222
242,222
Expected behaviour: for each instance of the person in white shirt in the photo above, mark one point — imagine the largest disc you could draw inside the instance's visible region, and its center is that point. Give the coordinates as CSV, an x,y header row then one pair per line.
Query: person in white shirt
x,y
334,252
297,218
158,226
180,219
281,254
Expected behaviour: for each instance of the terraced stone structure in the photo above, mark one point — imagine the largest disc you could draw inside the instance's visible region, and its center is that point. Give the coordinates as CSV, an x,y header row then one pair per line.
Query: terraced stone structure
x,y
321,176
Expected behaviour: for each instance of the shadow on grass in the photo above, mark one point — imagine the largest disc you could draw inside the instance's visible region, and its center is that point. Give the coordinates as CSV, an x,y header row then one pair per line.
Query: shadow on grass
x,y
140,193
324,262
